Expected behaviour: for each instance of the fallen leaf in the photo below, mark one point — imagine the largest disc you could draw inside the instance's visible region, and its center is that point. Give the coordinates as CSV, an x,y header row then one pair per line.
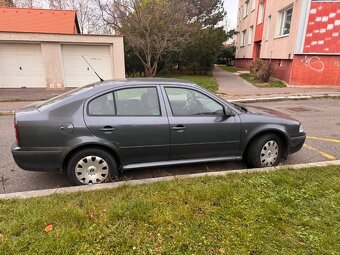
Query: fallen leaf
x,y
222,250
90,216
48,228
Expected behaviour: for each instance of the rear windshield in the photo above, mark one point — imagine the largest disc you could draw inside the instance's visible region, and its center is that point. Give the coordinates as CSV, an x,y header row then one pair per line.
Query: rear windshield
x,y
65,95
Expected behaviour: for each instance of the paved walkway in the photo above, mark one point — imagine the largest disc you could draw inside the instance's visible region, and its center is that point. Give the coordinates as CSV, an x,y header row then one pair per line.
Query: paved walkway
x,y
28,94
231,86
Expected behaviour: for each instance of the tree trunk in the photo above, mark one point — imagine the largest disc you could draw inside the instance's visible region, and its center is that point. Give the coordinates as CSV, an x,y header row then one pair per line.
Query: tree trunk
x,y
150,71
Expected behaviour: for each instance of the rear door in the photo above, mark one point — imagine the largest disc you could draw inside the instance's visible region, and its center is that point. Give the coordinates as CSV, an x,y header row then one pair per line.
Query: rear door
x,y
198,126
134,120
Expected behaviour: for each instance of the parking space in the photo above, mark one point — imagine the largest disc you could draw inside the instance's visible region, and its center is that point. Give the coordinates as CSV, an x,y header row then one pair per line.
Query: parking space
x,y
320,119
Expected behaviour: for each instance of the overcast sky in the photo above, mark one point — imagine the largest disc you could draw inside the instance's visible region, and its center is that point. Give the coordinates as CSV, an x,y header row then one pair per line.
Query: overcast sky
x,y
231,7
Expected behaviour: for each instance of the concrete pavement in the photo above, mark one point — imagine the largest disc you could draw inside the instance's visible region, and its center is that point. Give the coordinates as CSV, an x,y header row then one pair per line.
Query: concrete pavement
x,y
232,86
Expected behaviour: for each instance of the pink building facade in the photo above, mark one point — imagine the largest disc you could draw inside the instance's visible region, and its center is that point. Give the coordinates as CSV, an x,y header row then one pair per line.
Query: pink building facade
x,y
300,37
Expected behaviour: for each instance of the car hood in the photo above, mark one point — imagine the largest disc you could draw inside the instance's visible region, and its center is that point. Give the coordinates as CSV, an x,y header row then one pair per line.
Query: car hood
x,y
257,110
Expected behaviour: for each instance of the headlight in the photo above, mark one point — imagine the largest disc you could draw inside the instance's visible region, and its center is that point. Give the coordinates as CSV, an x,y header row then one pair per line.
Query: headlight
x,y
301,129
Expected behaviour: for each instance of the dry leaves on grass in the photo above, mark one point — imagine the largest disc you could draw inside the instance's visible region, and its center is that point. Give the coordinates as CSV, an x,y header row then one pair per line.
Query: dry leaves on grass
x,y
48,228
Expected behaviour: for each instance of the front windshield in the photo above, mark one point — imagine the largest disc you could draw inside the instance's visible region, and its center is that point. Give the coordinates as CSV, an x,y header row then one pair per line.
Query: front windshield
x,y
65,95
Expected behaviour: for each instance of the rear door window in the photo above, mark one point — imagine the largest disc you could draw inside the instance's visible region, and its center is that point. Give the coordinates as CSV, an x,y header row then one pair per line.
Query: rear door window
x,y
127,102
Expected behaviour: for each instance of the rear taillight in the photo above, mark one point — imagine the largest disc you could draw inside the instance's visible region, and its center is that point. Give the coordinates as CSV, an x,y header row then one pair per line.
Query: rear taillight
x,y
16,131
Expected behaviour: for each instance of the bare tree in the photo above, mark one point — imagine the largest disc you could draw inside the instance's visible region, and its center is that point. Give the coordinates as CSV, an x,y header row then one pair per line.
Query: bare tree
x,y
27,3
8,3
151,28
58,4
87,13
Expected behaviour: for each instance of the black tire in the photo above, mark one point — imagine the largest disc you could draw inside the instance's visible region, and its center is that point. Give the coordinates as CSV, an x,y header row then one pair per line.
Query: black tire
x,y
99,167
262,152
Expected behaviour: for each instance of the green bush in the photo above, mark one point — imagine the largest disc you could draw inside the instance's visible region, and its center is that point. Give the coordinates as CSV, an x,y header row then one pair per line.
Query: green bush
x,y
261,70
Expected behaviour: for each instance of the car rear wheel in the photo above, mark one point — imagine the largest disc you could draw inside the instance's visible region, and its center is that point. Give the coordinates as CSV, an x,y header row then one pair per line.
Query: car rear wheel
x,y
91,166
265,151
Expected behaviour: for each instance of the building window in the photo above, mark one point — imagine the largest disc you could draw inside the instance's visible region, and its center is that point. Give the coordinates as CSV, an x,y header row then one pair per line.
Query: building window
x,y
245,9
243,37
250,35
261,13
285,21
268,24
253,4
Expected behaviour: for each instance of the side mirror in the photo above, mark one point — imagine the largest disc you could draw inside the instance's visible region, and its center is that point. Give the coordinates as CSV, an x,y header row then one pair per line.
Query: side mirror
x,y
228,112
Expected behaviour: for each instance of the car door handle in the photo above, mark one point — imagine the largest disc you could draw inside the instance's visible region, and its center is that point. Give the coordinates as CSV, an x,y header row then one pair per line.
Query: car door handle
x,y
179,128
107,129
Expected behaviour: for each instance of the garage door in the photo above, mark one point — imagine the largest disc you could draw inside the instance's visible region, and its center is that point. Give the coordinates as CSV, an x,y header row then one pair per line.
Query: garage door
x,y
77,72
21,65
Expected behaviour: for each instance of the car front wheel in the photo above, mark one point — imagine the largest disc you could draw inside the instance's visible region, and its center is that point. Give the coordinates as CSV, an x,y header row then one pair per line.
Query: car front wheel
x,y
265,151
91,166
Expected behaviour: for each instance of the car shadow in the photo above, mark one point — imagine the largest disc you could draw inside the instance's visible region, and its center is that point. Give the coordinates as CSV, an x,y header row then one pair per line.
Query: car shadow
x,y
144,173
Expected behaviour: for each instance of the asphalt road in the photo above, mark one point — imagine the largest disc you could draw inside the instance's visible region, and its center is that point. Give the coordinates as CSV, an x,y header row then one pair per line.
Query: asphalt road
x,y
320,118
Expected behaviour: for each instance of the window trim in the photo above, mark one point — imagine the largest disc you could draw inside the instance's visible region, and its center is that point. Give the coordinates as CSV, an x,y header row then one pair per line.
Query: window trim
x,y
206,115
260,15
250,35
245,9
268,27
253,5
282,18
243,38
115,104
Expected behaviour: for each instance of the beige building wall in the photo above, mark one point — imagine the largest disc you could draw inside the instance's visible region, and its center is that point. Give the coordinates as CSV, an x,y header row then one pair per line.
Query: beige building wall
x,y
52,53
244,23
276,46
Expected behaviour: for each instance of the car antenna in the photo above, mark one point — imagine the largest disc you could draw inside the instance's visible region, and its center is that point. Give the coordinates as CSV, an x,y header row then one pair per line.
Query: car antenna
x,y
93,69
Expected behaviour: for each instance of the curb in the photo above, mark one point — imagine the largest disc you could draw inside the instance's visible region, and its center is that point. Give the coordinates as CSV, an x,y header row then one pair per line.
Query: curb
x,y
66,190
282,98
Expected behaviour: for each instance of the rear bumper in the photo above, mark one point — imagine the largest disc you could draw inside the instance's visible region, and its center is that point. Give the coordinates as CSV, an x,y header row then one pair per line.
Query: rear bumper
x,y
37,160
296,143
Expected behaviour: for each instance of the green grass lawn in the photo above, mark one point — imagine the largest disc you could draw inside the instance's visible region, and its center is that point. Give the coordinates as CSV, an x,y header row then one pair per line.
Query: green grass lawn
x,y
284,212
205,81
270,84
231,69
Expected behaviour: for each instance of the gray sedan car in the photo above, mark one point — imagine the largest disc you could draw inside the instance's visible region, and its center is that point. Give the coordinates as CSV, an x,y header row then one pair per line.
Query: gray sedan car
x,y
94,132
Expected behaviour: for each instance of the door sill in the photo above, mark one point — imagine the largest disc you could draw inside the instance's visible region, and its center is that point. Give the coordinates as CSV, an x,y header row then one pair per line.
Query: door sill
x,y
180,162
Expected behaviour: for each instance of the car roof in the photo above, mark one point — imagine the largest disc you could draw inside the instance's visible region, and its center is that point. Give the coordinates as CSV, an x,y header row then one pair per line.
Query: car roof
x,y
141,81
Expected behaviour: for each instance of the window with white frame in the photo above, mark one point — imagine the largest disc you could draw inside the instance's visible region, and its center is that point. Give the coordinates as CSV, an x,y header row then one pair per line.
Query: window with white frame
x,y
250,35
268,24
245,9
253,4
243,37
261,13
285,21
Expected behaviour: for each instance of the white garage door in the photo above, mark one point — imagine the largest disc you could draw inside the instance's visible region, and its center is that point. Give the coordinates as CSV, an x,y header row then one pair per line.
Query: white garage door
x,y
21,65
77,72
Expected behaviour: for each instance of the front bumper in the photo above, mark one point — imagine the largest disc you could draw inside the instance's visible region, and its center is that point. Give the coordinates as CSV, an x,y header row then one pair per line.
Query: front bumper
x,y
37,160
296,143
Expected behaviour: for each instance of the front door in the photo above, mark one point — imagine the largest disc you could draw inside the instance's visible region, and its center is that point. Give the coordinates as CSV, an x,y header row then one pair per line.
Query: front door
x,y
134,121
199,127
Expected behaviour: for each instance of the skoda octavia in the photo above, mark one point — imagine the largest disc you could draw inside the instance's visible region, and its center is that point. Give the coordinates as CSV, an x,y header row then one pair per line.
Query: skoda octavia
x,y
94,132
